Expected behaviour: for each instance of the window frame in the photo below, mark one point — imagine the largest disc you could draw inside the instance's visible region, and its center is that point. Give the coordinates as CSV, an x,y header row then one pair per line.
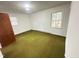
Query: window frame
x,y
52,20
15,19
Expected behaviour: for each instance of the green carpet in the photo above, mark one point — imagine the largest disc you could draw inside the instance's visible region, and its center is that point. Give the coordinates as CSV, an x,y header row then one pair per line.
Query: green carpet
x,y
34,44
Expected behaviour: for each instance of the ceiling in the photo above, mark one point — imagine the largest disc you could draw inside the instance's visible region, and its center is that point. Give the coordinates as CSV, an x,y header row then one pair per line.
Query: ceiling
x,y
18,6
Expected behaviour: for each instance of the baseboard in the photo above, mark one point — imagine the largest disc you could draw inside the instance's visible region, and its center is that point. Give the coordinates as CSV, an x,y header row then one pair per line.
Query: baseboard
x,y
22,32
64,55
38,31
48,32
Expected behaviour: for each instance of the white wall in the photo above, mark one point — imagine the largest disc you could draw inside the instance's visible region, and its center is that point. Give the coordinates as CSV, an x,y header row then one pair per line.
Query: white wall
x,y
72,40
41,20
23,22
22,19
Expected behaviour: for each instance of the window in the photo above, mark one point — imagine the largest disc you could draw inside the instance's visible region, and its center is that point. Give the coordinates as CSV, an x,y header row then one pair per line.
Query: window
x,y
13,21
56,20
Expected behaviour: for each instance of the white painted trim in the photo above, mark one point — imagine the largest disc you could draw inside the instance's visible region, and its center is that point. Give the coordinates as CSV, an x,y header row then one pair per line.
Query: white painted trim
x,y
22,32
47,32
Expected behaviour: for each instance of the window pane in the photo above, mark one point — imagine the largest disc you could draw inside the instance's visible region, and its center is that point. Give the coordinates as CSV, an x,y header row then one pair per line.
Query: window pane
x,y
57,19
13,21
59,15
53,24
54,16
